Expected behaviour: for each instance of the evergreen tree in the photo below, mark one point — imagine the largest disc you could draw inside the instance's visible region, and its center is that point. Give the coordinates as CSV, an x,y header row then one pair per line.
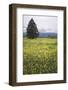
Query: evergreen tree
x,y
32,31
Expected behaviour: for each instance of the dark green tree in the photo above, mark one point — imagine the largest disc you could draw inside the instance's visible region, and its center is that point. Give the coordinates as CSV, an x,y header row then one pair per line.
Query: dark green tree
x,y
32,30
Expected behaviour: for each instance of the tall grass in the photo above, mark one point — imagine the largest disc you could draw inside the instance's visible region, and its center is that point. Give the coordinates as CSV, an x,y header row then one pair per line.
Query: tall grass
x,y
40,56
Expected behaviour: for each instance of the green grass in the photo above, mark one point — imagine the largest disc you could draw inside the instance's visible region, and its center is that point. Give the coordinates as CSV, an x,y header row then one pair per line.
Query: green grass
x,y
40,56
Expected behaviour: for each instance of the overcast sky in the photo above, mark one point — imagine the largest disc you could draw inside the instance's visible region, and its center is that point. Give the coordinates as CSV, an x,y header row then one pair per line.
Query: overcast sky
x,y
44,23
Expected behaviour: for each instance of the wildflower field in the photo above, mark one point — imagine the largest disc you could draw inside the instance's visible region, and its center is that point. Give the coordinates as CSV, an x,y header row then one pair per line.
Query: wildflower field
x,y
40,56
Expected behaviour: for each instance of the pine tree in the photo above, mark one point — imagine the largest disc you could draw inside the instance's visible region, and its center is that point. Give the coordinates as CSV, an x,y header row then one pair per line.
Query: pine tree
x,y
32,31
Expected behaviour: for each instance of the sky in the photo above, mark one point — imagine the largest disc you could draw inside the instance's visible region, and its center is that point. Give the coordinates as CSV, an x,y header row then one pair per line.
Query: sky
x,y
44,23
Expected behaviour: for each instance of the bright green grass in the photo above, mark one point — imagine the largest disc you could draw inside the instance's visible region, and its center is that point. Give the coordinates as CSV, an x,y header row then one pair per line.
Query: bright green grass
x,y
40,56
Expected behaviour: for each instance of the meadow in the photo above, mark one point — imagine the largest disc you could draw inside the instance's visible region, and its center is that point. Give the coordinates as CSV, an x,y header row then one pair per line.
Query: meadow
x,y
40,56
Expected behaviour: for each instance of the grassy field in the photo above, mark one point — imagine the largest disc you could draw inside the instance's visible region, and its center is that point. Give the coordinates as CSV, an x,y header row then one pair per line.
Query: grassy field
x,y
40,56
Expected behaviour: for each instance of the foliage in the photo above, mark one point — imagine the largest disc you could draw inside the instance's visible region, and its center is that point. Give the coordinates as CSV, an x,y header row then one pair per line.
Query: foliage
x,y
32,31
40,56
